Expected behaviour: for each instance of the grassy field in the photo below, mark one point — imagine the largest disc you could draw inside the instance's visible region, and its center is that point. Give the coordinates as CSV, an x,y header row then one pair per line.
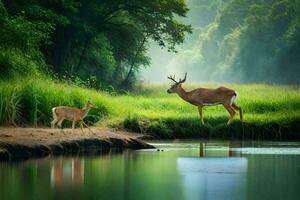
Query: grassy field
x,y
270,111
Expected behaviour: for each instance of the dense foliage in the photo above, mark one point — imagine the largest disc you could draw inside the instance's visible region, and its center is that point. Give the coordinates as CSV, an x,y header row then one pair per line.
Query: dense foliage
x,y
246,41
102,41
20,40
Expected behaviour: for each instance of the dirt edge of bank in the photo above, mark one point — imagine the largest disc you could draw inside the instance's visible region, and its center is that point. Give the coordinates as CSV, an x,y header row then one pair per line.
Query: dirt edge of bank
x,y
24,143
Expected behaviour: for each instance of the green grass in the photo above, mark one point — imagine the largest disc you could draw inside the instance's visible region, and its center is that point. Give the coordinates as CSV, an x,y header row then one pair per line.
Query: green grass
x,y
270,111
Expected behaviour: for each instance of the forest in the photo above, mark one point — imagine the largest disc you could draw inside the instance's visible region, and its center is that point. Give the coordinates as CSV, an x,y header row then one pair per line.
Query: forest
x,y
104,44
237,41
98,43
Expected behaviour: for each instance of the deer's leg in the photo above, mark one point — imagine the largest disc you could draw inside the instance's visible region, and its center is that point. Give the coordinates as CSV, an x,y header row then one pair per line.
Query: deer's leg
x,y
88,127
230,111
55,120
60,122
73,124
237,108
81,126
200,109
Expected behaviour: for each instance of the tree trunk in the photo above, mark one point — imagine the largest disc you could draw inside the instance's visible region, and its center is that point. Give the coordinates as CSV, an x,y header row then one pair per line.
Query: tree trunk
x,y
56,53
85,47
125,82
116,75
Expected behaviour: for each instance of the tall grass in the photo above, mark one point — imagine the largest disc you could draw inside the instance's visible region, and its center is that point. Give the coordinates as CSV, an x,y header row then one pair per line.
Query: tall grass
x,y
29,102
271,111
10,107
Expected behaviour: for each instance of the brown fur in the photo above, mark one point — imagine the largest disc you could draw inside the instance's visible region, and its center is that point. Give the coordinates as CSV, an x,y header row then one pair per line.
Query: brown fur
x,y
62,113
201,97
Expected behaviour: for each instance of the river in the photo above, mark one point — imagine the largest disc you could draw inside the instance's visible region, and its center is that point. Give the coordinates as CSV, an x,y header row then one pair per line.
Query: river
x,y
181,170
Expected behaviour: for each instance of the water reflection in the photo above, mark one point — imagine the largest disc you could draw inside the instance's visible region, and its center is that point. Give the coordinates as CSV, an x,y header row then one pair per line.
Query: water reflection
x,y
183,171
214,177
217,149
69,171
216,174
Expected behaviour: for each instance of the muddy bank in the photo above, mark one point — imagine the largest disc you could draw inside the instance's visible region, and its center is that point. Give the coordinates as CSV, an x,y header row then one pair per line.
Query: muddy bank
x,y
25,143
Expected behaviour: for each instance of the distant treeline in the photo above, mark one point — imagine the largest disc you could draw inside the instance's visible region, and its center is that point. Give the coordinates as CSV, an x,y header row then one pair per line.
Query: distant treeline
x,y
246,41
101,42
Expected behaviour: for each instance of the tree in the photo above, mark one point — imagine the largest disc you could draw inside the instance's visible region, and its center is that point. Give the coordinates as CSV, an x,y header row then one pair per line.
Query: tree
x,y
79,23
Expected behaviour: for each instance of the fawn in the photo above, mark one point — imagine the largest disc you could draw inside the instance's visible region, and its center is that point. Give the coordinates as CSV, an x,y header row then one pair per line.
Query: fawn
x,y
61,113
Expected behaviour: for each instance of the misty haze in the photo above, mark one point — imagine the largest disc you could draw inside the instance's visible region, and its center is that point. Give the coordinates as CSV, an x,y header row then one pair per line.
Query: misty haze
x,y
234,41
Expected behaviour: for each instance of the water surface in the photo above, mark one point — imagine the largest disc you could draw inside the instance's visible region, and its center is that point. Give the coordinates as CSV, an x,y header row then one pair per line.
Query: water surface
x,y
183,170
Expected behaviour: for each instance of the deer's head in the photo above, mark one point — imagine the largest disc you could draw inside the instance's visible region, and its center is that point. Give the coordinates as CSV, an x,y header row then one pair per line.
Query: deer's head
x,y
177,84
89,104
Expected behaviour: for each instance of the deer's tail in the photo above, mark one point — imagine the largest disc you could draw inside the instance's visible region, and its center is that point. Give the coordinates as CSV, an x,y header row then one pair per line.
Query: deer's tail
x,y
233,98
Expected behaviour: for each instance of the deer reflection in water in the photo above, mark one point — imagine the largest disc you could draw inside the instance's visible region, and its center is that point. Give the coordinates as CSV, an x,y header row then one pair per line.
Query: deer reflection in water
x,y
210,149
65,171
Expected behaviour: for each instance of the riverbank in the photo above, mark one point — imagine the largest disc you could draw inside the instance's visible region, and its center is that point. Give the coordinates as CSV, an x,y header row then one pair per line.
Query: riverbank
x,y
25,143
271,112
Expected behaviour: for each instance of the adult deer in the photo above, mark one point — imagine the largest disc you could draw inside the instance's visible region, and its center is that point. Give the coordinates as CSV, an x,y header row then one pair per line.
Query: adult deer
x,y
201,97
61,113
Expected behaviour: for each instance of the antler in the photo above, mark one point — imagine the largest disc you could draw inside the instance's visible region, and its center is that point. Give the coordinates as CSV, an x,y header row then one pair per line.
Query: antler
x,y
172,78
183,80
177,82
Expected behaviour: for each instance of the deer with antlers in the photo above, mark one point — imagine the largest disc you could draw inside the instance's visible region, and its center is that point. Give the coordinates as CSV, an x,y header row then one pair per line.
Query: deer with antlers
x,y
201,97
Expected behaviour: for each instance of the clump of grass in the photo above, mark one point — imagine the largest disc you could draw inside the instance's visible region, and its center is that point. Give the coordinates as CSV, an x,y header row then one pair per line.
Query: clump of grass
x,y
10,107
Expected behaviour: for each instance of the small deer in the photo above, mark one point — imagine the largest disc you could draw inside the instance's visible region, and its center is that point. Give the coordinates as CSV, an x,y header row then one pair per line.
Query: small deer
x,y
201,97
61,113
